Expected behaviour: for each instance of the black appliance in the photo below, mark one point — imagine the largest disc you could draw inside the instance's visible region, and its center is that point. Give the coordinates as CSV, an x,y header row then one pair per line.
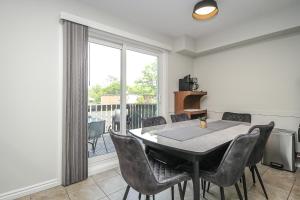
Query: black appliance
x,y
188,84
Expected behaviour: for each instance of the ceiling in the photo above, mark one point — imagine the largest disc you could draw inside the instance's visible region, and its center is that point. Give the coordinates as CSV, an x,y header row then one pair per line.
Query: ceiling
x,y
173,17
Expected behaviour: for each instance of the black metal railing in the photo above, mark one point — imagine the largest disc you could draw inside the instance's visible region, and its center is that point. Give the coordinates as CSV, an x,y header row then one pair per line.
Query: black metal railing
x,y
135,113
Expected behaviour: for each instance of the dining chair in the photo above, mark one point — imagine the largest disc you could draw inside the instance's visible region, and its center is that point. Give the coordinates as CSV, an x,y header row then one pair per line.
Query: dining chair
x,y
162,156
231,168
179,117
257,154
239,117
144,174
153,121
230,116
96,129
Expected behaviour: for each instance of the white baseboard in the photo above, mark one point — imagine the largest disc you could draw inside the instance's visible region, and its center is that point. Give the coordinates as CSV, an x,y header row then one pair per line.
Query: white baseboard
x,y
105,165
14,194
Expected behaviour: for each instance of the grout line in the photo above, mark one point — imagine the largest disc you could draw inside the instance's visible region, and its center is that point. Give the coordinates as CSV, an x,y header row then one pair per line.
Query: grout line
x,y
106,195
291,191
67,193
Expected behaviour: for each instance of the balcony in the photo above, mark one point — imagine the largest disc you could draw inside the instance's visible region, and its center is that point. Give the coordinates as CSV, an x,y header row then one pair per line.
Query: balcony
x,y
110,113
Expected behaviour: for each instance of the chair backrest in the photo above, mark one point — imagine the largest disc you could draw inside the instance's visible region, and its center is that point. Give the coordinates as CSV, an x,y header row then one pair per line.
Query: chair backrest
x,y
265,132
153,121
95,129
235,159
239,117
180,117
117,115
134,165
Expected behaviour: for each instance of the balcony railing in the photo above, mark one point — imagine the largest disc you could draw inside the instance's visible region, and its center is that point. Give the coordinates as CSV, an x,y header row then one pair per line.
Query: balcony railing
x,y
135,113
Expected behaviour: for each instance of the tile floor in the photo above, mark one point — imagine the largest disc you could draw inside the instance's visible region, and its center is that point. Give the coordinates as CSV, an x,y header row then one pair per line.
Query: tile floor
x,y
110,186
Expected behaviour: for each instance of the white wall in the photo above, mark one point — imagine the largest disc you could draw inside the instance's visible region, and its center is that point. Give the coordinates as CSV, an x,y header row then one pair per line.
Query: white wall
x,y
30,83
178,67
261,78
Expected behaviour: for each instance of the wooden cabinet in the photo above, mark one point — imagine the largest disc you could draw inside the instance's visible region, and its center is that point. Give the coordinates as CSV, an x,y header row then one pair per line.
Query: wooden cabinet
x,y
189,102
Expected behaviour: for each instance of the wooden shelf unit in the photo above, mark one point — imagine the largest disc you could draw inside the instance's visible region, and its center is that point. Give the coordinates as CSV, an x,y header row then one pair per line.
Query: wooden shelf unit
x,y
189,102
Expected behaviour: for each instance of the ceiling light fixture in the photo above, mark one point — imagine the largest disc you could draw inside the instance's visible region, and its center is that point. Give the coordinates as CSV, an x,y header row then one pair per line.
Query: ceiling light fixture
x,y
205,9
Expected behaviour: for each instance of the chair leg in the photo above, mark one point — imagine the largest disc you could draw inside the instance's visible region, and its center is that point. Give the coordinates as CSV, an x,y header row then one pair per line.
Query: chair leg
x,y
104,143
172,192
180,191
126,192
208,186
153,197
260,181
93,147
245,187
204,188
140,196
222,193
253,175
184,188
147,197
238,191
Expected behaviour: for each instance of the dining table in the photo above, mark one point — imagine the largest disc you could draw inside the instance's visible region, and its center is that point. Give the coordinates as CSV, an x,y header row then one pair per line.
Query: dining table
x,y
187,140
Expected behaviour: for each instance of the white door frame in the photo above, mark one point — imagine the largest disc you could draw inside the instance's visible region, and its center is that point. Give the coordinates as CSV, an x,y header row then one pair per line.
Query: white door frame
x,y
105,162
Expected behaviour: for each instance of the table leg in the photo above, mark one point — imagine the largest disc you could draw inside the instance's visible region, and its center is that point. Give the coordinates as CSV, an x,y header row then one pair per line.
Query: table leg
x,y
196,180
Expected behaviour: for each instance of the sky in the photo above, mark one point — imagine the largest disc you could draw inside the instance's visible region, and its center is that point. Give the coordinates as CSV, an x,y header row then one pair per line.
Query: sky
x,y
106,61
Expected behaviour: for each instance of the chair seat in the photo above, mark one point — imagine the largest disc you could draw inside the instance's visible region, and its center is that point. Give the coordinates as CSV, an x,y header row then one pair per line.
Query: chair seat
x,y
170,160
165,174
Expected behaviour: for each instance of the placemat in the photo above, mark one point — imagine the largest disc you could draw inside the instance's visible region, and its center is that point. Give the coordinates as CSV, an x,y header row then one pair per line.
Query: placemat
x,y
190,132
221,124
184,133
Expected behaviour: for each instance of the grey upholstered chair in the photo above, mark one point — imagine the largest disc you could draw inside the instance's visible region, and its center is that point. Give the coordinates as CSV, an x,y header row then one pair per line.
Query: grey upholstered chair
x,y
153,121
257,154
144,174
96,129
239,117
233,163
155,153
180,117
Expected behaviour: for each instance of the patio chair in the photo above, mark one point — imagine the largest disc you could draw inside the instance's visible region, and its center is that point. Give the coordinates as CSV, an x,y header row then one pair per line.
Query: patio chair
x,y
116,120
96,129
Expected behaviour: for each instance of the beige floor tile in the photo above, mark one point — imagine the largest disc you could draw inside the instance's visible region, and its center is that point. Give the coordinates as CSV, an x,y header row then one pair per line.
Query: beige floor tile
x,y
274,193
85,190
297,174
279,178
262,168
105,175
118,170
112,184
24,198
132,195
295,193
214,193
57,193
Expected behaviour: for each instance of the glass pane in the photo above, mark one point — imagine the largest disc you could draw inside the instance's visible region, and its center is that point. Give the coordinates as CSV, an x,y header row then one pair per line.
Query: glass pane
x,y
142,87
103,97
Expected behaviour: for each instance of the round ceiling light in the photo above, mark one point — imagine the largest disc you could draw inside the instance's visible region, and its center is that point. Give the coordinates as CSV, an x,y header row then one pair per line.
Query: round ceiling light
x,y
205,9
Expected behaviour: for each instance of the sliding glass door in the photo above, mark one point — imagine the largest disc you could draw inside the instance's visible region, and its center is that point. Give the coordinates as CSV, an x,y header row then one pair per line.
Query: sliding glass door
x,y
141,86
103,96
123,89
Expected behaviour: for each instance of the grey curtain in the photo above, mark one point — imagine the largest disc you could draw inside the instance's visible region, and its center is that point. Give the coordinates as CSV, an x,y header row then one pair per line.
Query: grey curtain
x,y
75,156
